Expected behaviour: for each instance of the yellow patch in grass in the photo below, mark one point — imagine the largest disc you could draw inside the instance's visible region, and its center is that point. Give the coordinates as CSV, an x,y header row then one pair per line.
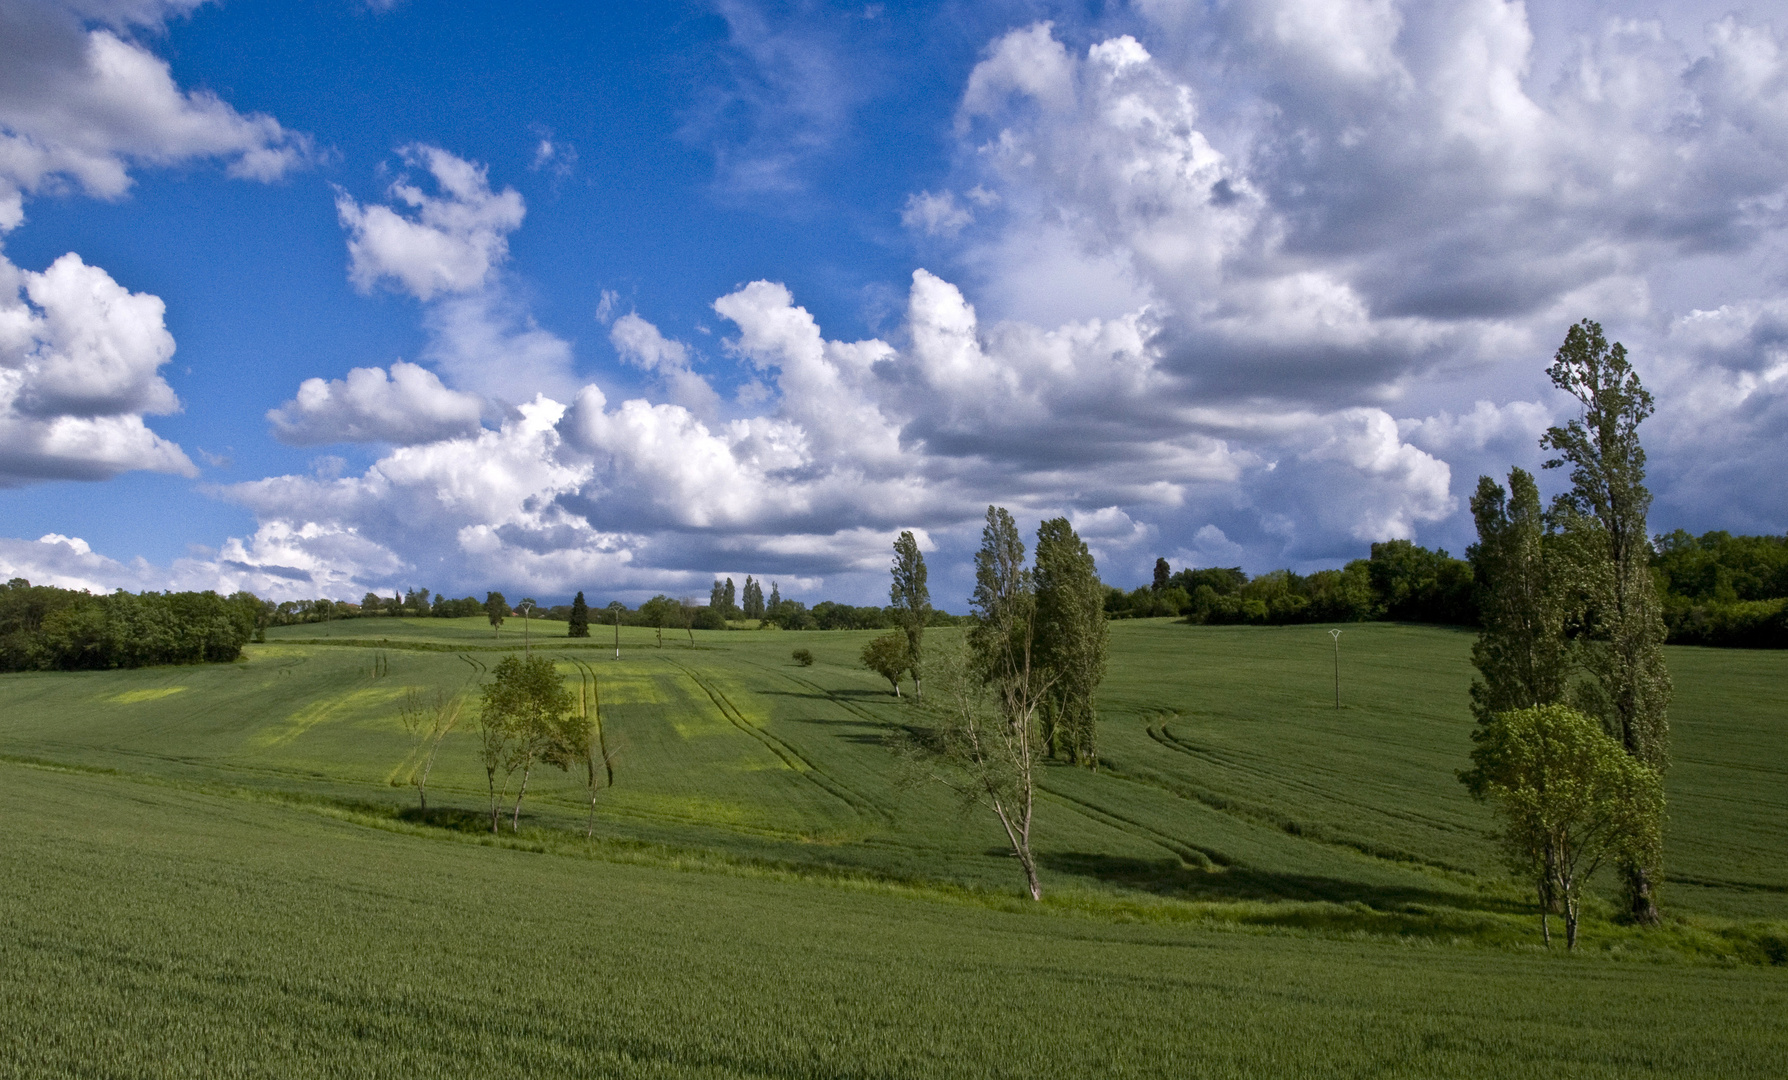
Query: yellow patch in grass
x,y
131,697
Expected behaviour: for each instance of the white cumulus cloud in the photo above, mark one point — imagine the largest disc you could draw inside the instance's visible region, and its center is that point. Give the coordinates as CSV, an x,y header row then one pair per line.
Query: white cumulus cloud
x,y
405,406
449,241
80,107
80,357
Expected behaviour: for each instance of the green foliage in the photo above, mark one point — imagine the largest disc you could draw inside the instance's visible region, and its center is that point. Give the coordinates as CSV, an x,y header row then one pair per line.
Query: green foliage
x,y
804,657
1608,555
1400,581
1224,581
1521,652
910,599
1072,640
496,609
888,657
753,600
1717,567
526,720
578,625
1724,590
1570,797
828,615
983,746
44,628
1413,584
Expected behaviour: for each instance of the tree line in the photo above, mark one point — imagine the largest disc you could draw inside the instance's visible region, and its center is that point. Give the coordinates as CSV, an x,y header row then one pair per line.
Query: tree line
x,y
1715,589
43,628
1400,581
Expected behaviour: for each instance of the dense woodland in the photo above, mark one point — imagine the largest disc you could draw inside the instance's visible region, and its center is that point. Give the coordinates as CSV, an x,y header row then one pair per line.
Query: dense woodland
x,y
44,628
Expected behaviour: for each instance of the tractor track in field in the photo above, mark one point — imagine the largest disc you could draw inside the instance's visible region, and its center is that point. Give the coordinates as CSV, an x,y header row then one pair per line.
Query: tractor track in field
x,y
1189,853
1255,815
796,761
1170,741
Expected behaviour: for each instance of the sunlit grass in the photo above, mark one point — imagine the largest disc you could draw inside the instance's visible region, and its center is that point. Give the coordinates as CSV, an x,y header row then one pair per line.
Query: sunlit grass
x,y
1238,815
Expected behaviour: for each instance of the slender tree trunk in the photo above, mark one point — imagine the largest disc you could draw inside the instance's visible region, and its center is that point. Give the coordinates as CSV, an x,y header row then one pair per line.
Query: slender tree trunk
x,y
428,765
1640,892
1019,836
515,822
1571,923
1024,853
490,776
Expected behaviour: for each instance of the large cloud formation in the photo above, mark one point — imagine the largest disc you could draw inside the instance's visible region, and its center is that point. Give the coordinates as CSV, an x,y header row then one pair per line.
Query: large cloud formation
x,y
80,104
1256,282
80,354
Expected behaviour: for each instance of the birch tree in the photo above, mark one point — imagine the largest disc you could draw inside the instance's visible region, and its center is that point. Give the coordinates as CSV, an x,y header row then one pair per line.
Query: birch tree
x,y
428,721
982,749
990,729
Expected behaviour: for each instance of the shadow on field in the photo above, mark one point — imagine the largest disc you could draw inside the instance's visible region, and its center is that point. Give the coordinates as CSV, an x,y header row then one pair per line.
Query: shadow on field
x,y
830,695
1169,877
448,817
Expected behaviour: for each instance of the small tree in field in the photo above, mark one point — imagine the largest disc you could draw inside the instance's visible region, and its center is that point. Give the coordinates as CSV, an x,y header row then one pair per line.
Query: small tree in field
x,y
579,625
496,609
1570,798
528,719
428,720
887,656
911,599
981,750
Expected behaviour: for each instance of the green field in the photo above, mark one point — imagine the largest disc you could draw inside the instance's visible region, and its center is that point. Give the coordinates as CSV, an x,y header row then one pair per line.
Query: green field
x,y
220,870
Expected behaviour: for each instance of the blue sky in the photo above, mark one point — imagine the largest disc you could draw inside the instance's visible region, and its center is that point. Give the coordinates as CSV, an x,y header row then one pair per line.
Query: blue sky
x,y
622,298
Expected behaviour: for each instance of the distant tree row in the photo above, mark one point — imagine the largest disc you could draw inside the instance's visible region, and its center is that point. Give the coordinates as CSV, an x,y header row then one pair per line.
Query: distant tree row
x,y
414,603
1400,581
1720,589
1715,589
43,628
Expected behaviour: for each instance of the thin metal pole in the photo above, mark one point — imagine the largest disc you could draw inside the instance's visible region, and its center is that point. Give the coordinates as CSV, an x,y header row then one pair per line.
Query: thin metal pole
x,y
1336,634
617,633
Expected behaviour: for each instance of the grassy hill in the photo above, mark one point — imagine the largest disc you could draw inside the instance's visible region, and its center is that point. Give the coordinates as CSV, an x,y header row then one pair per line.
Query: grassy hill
x,y
1254,881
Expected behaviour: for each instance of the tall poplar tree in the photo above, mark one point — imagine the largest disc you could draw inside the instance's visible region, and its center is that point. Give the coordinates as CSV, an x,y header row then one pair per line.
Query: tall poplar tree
x,y
911,599
579,626
1604,514
1521,654
1072,640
